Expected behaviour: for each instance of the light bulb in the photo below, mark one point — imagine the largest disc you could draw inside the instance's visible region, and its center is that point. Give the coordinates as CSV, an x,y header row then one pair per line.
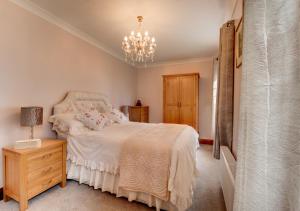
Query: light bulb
x,y
153,39
138,34
146,33
132,32
125,38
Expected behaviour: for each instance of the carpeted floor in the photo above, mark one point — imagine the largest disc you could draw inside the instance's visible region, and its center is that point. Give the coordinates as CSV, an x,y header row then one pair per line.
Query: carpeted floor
x,y
74,197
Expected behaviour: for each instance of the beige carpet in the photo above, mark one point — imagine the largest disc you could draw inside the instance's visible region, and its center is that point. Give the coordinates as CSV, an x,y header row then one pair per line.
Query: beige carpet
x,y
74,197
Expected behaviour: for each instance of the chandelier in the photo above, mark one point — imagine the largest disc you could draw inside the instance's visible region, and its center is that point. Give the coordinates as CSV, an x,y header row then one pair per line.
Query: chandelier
x,y
139,47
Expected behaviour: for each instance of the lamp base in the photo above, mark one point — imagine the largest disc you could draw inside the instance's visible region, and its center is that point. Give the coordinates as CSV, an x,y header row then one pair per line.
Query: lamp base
x,y
28,143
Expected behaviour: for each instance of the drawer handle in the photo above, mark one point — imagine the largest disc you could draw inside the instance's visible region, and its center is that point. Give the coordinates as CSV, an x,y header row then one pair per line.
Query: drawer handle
x,y
47,183
47,156
47,171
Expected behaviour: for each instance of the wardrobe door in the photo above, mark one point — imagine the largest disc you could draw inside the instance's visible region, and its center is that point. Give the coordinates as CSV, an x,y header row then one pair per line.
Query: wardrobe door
x,y
189,100
171,99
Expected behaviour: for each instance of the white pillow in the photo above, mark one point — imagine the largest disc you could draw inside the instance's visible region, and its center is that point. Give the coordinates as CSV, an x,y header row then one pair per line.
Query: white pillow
x,y
83,106
94,120
117,116
66,123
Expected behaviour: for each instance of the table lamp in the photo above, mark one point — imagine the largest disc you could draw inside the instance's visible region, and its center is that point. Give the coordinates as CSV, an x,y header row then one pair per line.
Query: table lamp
x,y
31,116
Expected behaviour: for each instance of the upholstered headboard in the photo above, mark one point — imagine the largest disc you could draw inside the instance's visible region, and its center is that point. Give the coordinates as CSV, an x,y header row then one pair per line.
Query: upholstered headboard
x,y
68,105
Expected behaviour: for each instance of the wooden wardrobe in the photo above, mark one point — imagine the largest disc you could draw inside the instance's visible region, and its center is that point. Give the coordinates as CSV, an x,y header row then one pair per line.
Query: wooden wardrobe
x,y
181,99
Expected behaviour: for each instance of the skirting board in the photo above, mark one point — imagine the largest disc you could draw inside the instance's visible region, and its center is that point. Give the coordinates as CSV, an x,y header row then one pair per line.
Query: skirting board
x,y
206,141
1,194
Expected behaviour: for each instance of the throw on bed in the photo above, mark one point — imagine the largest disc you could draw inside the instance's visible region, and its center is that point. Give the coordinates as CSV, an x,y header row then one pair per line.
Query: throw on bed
x,y
146,158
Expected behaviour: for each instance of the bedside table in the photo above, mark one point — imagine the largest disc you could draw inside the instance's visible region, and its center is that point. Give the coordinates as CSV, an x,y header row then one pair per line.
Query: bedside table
x,y
28,172
139,113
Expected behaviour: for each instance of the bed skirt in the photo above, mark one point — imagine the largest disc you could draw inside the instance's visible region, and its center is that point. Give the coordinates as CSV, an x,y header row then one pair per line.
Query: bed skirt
x,y
109,182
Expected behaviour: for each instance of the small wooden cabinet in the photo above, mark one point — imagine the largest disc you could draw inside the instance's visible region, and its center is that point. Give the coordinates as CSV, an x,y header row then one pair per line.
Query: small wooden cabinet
x,y
28,172
138,113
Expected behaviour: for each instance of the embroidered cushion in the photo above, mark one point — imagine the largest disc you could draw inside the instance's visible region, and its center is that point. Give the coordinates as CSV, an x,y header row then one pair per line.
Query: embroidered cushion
x,y
93,119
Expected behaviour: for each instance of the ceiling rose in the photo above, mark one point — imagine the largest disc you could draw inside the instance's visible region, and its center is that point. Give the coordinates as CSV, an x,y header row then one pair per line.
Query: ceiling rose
x,y
139,47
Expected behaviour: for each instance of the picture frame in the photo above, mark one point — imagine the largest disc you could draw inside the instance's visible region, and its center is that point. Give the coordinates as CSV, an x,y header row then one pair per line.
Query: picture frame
x,y
239,44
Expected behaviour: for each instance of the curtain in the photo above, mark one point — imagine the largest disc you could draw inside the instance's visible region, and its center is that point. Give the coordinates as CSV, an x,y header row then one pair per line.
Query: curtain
x,y
224,113
215,94
268,166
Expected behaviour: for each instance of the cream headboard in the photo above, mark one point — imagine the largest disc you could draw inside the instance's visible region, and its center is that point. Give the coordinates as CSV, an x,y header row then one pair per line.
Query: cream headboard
x,y
68,104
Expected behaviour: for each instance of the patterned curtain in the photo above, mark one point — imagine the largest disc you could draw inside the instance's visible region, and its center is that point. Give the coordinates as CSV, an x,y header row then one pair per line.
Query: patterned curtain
x,y
224,113
268,166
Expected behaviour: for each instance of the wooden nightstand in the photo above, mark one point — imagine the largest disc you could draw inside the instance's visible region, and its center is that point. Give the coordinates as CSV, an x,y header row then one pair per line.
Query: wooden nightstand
x,y
138,113
28,172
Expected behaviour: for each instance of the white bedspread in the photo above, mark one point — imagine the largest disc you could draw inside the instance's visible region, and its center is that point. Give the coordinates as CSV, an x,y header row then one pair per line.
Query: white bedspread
x,y
101,150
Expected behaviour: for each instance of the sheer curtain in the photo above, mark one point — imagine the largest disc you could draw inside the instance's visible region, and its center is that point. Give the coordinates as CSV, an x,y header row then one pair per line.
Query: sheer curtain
x,y
268,167
215,94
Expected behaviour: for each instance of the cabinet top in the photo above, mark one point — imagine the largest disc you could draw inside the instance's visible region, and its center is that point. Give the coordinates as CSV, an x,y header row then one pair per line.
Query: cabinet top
x,y
45,144
182,74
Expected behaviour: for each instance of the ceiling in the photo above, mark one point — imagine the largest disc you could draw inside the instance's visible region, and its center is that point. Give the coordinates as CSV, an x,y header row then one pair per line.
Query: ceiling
x,y
183,29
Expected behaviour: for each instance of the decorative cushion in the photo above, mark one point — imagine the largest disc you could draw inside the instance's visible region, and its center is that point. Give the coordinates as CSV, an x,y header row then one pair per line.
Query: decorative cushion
x,y
93,119
117,116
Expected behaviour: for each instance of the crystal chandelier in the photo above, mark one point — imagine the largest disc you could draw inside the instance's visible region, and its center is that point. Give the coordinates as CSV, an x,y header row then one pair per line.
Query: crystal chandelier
x,y
139,47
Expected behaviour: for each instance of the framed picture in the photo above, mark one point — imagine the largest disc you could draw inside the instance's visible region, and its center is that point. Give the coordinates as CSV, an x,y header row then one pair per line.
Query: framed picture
x,y
239,44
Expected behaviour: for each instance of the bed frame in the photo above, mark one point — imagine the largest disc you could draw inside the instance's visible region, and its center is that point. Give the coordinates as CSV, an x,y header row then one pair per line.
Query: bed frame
x,y
67,105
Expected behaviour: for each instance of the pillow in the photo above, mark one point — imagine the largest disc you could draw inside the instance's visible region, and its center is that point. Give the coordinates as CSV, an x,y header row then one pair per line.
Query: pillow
x,y
65,108
117,116
94,120
66,123
83,106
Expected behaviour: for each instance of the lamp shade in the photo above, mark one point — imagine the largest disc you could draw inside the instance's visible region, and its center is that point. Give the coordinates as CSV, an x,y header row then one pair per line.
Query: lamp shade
x,y
31,116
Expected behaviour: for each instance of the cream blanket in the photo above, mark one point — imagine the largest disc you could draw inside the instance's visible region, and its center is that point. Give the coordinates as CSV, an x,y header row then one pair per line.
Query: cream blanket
x,y
146,158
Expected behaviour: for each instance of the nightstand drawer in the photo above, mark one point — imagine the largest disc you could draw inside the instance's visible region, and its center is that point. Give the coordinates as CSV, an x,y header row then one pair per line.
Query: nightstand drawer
x,y
44,172
43,184
42,159
44,179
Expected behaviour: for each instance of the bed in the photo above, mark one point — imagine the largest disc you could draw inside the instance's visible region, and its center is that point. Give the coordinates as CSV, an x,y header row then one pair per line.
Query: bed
x,y
123,158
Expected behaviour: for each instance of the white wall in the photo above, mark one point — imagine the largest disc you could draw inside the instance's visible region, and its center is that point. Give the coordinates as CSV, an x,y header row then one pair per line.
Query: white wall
x,y
233,9
150,90
237,9
40,62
